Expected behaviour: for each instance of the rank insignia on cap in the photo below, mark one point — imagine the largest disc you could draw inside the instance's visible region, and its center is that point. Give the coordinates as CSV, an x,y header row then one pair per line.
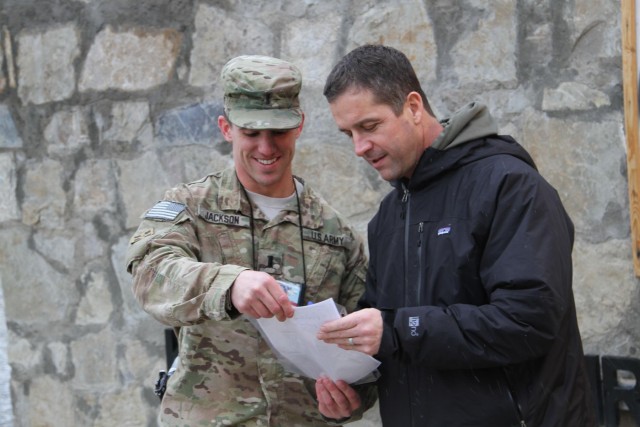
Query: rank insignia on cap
x,y
165,211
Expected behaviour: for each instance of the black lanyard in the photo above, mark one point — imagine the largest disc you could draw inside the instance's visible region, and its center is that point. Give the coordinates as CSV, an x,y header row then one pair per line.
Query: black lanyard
x,y
254,261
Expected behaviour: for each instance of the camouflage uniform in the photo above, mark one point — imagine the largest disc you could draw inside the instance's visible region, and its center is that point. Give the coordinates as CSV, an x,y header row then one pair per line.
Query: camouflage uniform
x,y
182,270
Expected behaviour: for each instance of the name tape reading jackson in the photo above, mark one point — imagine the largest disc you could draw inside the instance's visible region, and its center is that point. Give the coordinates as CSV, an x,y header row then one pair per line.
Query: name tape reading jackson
x,y
224,218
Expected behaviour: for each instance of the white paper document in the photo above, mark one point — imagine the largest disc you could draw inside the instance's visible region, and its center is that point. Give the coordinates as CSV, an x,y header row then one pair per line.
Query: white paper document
x,y
294,342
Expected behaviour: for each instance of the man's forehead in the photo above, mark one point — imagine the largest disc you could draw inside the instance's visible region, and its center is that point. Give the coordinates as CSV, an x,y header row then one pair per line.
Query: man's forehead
x,y
360,95
359,91
358,106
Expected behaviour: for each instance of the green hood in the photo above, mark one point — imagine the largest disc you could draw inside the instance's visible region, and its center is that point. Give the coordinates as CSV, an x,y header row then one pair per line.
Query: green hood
x,y
471,122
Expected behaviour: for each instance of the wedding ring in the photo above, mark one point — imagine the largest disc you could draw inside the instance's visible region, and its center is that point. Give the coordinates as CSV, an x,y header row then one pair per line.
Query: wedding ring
x,y
351,341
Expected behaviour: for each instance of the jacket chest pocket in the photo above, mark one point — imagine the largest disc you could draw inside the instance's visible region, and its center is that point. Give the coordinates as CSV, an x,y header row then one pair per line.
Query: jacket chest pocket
x,y
448,249
226,246
325,270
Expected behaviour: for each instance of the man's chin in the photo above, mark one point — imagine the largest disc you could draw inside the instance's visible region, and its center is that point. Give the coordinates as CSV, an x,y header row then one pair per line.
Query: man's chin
x,y
386,174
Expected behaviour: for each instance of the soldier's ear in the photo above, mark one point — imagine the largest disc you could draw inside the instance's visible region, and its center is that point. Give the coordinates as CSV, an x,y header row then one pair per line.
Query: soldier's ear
x,y
225,128
300,126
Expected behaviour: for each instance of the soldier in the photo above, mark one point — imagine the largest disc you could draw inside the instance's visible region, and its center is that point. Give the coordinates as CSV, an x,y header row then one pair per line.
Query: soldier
x,y
206,258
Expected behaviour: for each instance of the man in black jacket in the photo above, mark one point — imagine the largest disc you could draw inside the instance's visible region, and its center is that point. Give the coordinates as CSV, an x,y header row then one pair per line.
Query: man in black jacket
x,y
469,303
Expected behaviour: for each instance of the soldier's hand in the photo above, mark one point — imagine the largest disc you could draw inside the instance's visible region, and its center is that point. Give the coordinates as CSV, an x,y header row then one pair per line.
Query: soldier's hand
x,y
336,400
257,294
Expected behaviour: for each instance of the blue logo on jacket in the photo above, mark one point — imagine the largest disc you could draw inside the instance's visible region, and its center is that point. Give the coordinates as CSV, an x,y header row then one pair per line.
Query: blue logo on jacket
x,y
444,230
414,322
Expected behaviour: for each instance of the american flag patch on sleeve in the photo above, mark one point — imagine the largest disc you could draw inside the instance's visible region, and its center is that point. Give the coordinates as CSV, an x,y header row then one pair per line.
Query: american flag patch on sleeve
x,y
165,211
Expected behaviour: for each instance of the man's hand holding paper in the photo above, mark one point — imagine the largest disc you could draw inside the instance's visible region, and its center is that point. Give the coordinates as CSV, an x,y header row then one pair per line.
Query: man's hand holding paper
x,y
360,330
295,342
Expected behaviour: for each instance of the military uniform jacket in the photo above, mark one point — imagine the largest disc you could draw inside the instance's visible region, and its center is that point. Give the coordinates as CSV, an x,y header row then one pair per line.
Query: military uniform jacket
x,y
185,256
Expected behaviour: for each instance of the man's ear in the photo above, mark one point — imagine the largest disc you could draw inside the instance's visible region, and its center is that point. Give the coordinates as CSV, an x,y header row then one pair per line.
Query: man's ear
x,y
415,105
300,126
225,128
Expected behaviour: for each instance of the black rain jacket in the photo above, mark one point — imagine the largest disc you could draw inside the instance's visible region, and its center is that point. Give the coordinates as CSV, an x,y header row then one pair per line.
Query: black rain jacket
x,y
470,264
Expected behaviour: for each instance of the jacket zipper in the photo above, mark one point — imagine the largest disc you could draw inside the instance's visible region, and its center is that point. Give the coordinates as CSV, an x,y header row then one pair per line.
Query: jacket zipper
x,y
406,214
514,400
420,266
405,198
522,421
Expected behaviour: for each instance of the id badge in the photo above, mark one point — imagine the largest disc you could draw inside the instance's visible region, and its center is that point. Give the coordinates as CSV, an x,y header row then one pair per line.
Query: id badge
x,y
295,291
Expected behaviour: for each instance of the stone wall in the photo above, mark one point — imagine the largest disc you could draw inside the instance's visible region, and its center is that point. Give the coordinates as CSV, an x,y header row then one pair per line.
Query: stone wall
x,y
106,103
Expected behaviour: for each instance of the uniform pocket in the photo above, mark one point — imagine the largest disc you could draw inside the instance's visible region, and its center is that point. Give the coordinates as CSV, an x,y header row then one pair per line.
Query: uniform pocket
x,y
325,269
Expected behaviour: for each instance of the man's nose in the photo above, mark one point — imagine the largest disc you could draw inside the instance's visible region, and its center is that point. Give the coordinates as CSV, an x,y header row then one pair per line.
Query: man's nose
x,y
361,145
266,141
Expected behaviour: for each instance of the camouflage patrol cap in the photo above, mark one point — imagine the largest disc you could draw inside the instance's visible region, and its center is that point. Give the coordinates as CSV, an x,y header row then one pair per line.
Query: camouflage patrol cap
x,y
261,92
